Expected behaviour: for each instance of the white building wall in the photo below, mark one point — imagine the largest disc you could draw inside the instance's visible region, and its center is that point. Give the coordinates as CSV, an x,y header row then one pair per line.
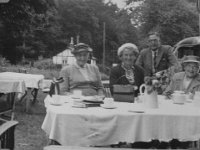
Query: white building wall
x,y
66,58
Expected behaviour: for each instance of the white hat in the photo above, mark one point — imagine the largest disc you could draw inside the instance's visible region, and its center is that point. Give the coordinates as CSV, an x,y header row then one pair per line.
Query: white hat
x,y
191,58
127,46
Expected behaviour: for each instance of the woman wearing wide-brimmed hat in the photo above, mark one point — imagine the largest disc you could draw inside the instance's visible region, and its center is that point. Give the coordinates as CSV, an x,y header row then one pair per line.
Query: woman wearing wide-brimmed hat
x,y
81,75
188,80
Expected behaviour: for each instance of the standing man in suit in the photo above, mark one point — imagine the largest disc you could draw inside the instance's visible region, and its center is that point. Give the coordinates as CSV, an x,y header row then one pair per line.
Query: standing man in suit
x,y
156,57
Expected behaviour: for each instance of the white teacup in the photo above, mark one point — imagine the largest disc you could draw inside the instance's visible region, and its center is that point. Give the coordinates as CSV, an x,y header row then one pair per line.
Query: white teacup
x,y
77,93
109,102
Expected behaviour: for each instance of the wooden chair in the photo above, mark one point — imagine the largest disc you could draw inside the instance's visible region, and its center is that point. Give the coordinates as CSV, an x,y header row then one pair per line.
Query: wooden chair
x,y
7,139
7,105
106,88
46,85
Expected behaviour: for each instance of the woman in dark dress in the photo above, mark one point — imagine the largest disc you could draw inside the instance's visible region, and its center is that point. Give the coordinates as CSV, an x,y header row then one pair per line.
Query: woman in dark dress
x,y
127,72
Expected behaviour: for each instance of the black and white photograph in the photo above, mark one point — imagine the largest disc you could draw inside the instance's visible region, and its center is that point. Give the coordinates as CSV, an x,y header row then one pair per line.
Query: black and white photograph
x,y
99,74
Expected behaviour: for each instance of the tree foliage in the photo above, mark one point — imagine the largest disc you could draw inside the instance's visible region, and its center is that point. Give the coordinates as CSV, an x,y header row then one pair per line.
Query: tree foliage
x,y
44,27
86,18
174,19
25,24
31,28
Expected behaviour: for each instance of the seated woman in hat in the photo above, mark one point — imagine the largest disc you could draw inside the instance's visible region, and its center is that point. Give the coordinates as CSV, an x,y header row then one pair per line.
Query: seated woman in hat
x,y
81,75
188,80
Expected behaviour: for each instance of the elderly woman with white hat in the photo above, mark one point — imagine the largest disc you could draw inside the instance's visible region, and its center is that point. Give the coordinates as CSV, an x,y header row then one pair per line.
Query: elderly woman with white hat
x,y
189,79
127,73
81,75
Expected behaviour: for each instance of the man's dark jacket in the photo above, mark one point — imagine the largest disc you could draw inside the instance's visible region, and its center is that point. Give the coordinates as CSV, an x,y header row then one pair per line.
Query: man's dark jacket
x,y
164,59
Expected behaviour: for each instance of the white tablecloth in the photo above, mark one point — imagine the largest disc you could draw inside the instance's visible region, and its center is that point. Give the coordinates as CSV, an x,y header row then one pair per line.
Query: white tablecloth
x,y
99,126
10,86
31,80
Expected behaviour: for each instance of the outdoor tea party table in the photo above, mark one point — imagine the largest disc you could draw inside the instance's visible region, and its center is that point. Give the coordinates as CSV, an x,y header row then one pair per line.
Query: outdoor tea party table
x,y
32,81
126,122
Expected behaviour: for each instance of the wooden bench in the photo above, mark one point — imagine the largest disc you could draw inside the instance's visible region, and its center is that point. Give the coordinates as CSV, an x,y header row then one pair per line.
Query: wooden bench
x,y
54,147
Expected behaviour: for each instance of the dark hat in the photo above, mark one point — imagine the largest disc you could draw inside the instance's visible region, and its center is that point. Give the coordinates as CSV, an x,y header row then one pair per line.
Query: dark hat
x,y
81,47
191,58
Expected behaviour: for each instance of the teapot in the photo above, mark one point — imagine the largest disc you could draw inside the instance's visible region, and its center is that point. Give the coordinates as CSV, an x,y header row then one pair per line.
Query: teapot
x,y
150,100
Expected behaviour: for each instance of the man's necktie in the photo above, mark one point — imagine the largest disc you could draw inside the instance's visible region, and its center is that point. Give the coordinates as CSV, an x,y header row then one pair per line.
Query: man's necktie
x,y
154,61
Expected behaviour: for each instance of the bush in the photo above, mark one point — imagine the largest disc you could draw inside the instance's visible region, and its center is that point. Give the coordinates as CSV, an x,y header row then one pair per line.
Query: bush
x,y
101,69
47,64
4,61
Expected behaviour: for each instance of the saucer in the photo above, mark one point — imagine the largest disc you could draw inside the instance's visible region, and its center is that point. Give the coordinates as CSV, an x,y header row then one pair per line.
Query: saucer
x,y
137,111
76,106
108,107
56,104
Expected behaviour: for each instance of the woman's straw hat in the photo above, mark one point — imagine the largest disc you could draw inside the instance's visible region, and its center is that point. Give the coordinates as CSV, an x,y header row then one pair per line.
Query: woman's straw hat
x,y
81,47
191,58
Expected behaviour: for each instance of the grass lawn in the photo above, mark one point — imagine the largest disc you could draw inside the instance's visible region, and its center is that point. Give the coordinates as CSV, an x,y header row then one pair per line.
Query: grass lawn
x,y
28,133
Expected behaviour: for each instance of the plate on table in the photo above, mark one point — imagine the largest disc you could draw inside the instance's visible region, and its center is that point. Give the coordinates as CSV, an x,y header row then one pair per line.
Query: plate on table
x,y
137,111
76,106
76,97
79,106
108,107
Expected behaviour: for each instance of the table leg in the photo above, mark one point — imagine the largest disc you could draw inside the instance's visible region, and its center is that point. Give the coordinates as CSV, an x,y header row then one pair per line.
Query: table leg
x,y
29,102
32,101
12,104
34,93
21,99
